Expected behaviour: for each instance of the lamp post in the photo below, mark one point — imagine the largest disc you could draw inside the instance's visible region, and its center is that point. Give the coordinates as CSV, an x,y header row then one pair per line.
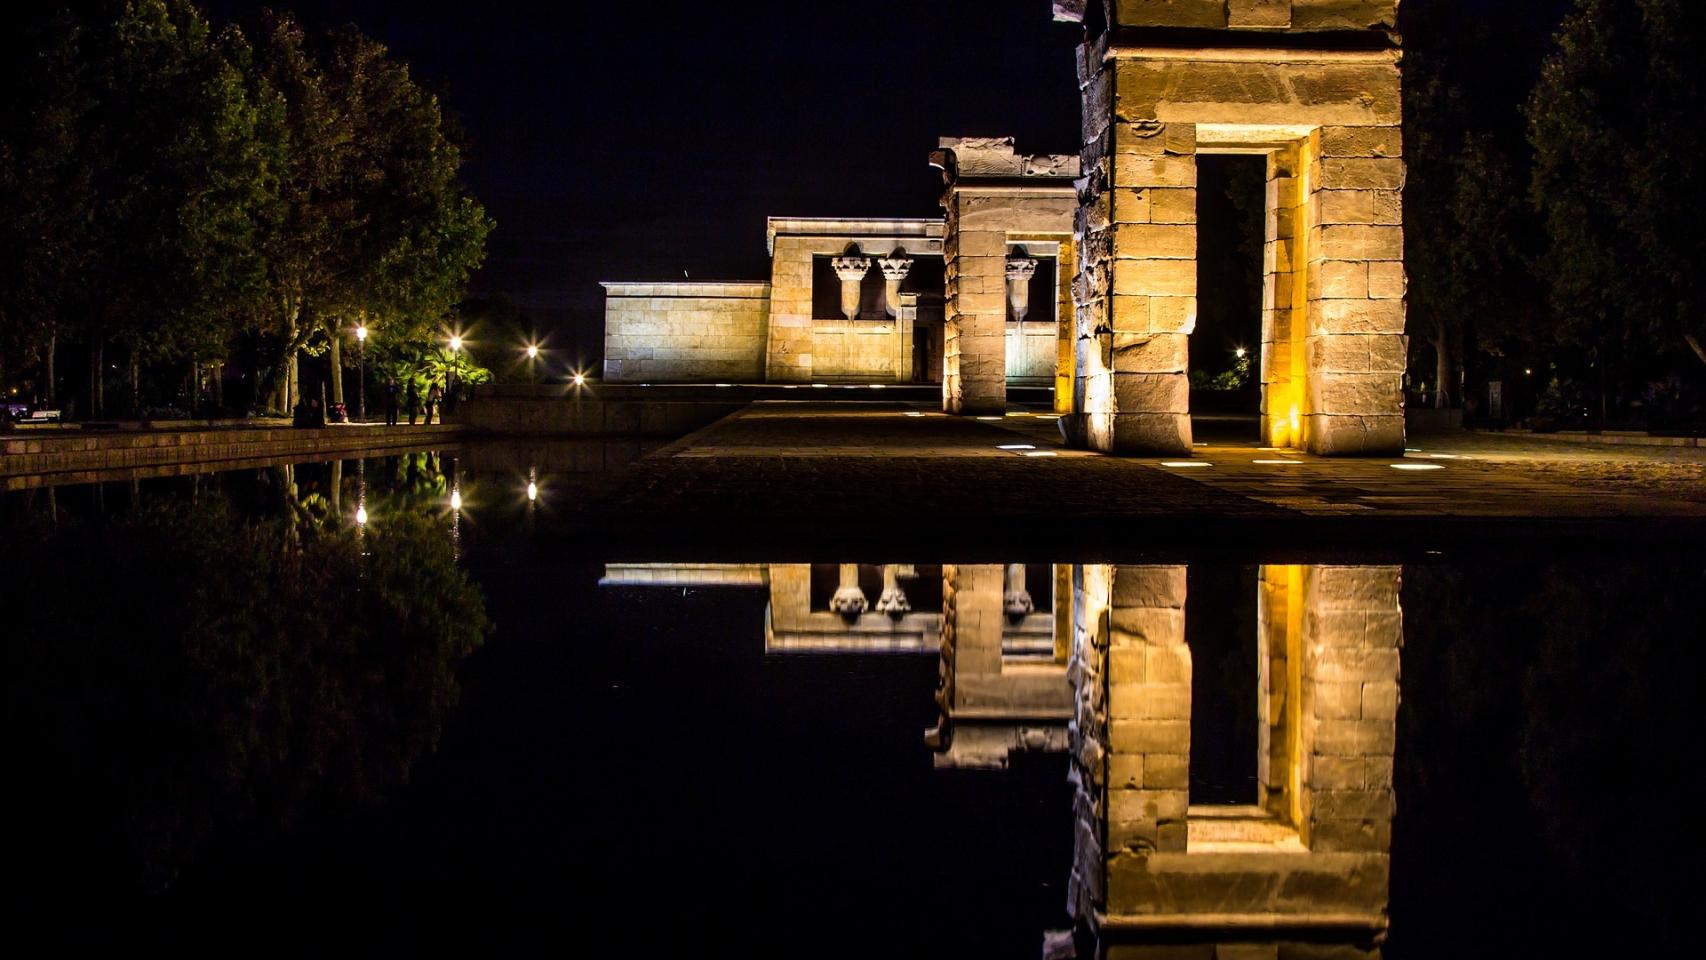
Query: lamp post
x,y
361,371
455,364
532,363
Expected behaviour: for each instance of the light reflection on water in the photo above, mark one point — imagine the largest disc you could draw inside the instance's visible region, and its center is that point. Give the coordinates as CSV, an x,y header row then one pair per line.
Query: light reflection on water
x,y
969,756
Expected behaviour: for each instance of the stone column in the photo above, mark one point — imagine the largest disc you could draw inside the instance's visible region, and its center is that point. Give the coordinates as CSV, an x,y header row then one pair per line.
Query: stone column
x,y
849,600
1355,348
1016,600
1284,300
852,272
1352,629
1136,290
974,356
1131,672
894,270
893,601
1153,290
1020,270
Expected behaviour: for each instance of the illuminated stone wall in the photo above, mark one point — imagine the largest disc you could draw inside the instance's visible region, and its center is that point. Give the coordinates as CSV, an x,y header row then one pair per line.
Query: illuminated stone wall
x,y
1327,116
801,348
1309,862
685,332
995,199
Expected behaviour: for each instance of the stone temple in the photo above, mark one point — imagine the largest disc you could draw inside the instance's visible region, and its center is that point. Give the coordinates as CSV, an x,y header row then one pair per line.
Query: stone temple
x,y
1080,273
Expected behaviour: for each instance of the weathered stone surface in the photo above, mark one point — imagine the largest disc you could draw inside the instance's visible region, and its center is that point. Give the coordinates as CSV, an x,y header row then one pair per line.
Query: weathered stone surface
x,y
1157,353
1151,393
1351,435
1361,173
1351,94
1362,142
1159,433
1134,241
1356,316
1170,13
1258,13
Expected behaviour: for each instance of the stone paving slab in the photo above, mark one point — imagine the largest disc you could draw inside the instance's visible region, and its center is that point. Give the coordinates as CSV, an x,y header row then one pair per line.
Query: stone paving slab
x,y
898,476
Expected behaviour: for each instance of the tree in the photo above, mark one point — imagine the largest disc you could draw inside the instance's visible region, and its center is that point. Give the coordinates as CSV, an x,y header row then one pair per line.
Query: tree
x,y
1469,237
177,176
371,225
1617,136
45,191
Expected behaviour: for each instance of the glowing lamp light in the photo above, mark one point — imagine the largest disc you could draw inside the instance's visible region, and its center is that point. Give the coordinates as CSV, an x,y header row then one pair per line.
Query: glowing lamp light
x,y
532,351
580,379
1016,446
1185,464
1417,466
455,343
361,333
1239,353
1276,463
532,491
455,499
361,515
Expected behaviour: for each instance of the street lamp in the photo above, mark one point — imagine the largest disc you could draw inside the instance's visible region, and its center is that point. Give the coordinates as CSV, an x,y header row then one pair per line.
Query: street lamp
x,y
455,364
361,370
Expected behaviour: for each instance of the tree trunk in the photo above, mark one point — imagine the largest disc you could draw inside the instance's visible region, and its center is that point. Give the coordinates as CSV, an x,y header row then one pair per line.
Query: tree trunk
x,y
97,377
1695,345
337,361
135,382
52,346
292,389
1442,373
219,385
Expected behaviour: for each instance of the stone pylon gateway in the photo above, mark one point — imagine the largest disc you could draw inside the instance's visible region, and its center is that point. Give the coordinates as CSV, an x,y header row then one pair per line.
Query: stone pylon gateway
x,y
1312,86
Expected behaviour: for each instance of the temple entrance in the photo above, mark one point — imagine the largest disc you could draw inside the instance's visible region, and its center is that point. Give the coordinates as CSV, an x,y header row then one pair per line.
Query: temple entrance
x,y
1225,347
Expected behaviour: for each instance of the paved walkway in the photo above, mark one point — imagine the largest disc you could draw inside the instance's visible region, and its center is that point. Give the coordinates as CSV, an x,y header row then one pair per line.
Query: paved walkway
x,y
787,475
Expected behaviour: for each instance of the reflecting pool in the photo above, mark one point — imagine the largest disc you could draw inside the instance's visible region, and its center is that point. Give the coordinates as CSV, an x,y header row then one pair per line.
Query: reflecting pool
x,y
399,701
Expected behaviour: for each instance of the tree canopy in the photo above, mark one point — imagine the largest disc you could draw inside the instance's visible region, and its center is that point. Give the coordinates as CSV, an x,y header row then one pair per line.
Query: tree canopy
x,y
170,187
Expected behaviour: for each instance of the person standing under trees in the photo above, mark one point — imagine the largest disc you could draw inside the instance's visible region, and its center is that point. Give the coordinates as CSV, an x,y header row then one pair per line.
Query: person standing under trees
x,y
390,401
435,396
413,401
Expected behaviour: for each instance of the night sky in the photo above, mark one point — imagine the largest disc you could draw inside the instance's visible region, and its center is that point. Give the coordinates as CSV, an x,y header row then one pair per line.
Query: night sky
x,y
638,141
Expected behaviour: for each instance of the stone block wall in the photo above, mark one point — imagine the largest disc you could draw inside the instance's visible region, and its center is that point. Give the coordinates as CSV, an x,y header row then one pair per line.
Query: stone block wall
x,y
1315,852
685,332
801,348
994,198
1353,629
1333,313
974,364
1354,347
1268,15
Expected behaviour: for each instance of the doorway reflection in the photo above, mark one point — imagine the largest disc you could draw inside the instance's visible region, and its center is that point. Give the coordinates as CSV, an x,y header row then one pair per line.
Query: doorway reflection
x,y
1101,662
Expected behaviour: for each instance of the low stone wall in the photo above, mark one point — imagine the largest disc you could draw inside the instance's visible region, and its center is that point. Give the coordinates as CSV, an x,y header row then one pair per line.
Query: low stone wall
x,y
66,450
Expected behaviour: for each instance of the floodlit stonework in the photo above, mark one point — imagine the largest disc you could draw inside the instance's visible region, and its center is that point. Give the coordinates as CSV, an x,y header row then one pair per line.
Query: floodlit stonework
x,y
1001,206
1310,861
1313,86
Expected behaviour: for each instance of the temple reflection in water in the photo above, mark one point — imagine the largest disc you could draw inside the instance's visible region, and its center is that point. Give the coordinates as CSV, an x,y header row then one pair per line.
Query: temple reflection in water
x,y
1101,661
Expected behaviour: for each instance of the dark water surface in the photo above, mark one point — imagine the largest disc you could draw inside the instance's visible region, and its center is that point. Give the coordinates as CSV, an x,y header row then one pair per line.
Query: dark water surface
x,y
240,719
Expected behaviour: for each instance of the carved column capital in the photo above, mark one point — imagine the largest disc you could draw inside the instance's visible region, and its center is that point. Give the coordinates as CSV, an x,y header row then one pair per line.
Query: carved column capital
x,y
851,268
895,268
1021,268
